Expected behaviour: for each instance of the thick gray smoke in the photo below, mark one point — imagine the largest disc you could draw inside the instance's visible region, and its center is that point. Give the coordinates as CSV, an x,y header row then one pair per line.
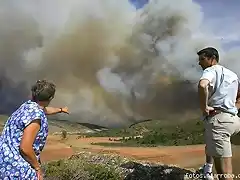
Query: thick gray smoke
x,y
111,64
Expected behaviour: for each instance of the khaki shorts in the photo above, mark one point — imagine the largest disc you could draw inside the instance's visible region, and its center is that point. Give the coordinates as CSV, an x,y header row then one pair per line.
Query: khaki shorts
x,y
218,131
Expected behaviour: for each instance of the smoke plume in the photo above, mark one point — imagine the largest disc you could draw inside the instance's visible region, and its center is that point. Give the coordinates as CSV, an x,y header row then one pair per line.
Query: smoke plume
x,y
112,65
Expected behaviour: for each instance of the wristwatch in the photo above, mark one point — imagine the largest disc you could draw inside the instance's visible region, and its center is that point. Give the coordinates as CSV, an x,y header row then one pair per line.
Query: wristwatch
x,y
38,169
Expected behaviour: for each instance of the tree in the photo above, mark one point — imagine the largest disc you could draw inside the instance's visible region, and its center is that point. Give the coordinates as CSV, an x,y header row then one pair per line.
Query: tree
x,y
64,134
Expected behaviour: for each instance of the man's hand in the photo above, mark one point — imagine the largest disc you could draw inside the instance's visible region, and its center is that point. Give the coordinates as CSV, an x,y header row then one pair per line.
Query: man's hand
x,y
237,104
65,110
206,110
238,97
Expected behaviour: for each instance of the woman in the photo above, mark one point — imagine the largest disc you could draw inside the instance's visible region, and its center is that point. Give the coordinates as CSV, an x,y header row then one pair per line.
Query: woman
x,y
25,133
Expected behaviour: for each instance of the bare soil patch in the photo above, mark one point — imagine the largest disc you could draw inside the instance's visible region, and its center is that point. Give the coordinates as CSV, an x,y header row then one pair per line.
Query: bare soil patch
x,y
182,156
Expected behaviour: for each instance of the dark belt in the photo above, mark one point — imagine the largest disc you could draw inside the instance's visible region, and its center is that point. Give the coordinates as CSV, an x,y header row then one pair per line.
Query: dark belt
x,y
215,112
218,111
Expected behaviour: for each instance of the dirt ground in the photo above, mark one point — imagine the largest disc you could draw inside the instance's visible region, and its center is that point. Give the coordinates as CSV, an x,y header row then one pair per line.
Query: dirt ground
x,y
183,156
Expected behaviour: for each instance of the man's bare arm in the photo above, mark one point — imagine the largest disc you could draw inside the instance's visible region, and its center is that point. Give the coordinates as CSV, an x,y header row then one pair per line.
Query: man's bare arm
x,y
203,93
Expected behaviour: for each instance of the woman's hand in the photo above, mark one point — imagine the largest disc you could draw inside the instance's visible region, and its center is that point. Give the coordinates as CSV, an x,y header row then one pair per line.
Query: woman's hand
x,y
65,110
39,174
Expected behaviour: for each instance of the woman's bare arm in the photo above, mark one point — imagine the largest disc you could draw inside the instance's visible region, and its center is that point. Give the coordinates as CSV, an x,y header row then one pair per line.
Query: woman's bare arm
x,y
54,110
26,145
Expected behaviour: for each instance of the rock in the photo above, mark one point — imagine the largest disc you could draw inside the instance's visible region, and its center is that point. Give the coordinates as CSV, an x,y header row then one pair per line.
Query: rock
x,y
154,172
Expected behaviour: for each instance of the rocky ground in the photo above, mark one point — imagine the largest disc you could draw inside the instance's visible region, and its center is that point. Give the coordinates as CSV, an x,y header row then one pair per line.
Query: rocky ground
x,y
128,169
154,172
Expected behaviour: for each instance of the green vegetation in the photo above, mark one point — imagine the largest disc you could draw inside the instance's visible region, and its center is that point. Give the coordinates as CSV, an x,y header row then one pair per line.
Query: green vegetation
x,y
64,134
159,133
116,132
85,167
152,133
77,169
3,119
156,133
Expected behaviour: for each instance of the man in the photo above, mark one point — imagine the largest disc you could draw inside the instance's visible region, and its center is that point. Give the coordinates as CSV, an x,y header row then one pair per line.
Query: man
x,y
218,91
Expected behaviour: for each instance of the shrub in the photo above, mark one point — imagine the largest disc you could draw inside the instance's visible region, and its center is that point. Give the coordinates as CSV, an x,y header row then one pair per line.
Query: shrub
x,y
100,172
64,134
78,169
63,170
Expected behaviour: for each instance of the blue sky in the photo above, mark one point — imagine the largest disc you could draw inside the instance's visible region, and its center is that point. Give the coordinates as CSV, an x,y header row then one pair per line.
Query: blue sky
x,y
221,17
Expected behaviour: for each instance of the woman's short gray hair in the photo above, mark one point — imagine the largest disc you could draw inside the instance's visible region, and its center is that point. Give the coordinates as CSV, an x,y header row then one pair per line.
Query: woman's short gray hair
x,y
43,90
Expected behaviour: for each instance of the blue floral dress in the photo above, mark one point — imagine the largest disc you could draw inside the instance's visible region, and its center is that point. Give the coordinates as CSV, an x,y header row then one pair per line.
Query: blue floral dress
x,y
12,164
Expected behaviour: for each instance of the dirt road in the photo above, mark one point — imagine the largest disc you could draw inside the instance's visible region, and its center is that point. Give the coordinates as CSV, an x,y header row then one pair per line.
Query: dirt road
x,y
183,156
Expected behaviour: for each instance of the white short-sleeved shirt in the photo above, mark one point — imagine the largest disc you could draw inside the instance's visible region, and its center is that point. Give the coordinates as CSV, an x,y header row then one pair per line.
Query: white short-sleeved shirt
x,y
223,88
